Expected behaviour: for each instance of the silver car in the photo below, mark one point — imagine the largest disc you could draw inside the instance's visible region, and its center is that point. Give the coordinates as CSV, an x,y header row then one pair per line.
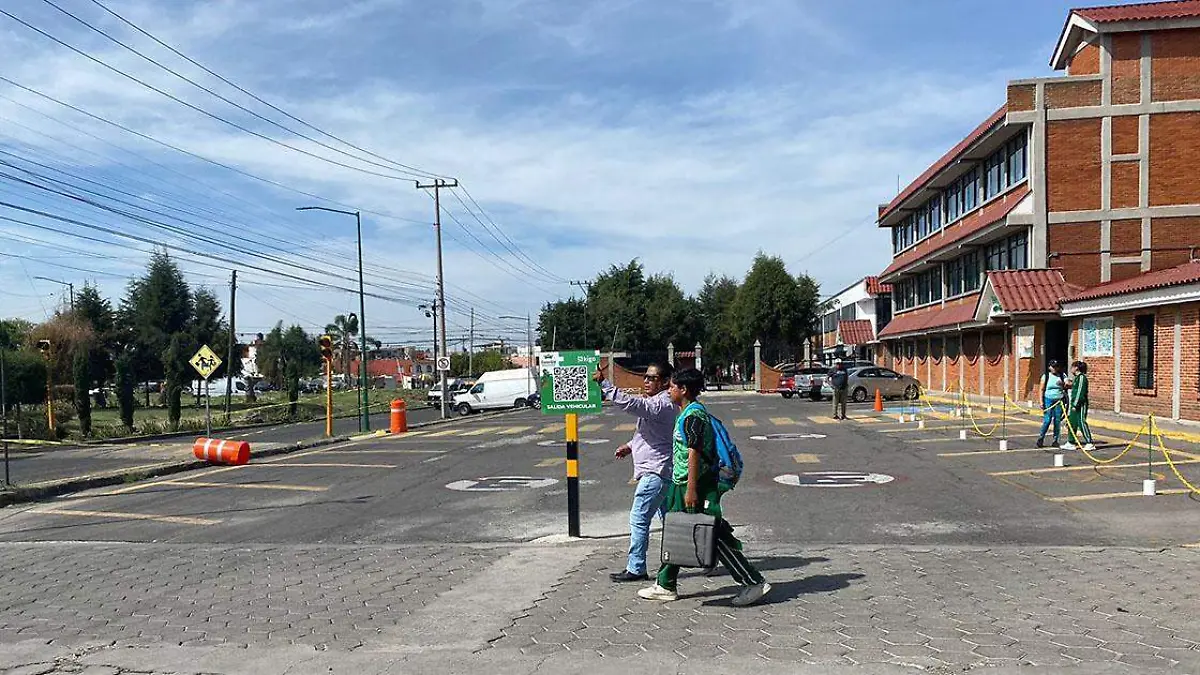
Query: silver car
x,y
865,380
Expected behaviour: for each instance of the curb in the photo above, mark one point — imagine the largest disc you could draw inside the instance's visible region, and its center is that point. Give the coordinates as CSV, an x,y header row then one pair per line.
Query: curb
x,y
56,488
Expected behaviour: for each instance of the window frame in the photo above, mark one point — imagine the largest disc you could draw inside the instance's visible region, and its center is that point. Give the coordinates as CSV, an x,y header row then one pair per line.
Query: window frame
x,y
1143,372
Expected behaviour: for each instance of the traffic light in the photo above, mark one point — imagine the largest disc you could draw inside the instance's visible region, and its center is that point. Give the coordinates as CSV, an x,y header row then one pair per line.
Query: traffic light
x,y
44,347
326,344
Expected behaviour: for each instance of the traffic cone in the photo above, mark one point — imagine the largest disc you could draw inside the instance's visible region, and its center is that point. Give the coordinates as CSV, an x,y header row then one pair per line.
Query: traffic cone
x,y
878,401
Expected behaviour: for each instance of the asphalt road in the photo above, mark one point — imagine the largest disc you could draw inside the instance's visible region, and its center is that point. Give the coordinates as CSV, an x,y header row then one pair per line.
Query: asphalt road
x,y
394,490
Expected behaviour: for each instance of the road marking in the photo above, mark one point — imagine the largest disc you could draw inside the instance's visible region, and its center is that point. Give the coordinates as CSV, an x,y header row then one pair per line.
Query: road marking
x,y
447,432
248,486
328,465
989,452
866,420
412,434
480,431
959,440
512,430
174,520
821,419
1085,467
373,434
591,427
743,422
553,461
912,429
783,421
806,458
625,427
552,428
150,484
398,451
1114,495
1196,545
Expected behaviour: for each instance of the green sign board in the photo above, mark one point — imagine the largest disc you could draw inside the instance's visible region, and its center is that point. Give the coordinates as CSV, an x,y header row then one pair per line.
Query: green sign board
x,y
566,382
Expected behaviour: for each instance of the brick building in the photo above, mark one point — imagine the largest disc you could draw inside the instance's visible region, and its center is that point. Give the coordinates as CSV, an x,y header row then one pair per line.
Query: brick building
x,y
855,315
1063,226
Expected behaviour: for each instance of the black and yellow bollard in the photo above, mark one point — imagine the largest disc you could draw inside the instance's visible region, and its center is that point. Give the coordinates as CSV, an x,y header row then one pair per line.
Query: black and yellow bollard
x,y
572,474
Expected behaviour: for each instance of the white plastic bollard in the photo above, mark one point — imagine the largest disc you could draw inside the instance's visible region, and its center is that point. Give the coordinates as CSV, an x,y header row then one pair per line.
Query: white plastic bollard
x,y
901,418
989,410
1148,487
962,434
1060,459
920,424
1003,445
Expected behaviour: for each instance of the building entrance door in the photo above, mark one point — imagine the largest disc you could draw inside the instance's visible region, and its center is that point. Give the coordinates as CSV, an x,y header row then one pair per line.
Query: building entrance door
x,y
1057,339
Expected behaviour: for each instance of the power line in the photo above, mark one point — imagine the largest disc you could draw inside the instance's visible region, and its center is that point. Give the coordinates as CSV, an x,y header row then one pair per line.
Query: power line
x,y
518,251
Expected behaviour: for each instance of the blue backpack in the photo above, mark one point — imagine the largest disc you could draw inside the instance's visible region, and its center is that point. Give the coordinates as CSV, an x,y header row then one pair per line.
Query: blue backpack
x,y
730,460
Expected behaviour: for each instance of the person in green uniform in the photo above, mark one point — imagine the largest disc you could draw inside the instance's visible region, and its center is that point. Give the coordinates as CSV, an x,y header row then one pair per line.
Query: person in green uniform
x,y
694,486
1077,409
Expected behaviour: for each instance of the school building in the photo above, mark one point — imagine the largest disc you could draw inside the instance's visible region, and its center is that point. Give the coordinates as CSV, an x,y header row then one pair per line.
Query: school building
x,y
854,316
1065,226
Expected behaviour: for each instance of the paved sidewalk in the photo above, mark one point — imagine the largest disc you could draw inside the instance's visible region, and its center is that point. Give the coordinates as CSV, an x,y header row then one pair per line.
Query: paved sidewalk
x,y
514,608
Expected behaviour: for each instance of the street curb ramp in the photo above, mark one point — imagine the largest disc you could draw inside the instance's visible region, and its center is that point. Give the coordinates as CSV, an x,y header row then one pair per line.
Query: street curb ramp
x,y
51,489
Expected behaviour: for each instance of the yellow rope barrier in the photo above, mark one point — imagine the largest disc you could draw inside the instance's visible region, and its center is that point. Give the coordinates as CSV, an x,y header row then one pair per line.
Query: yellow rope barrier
x,y
967,404
1171,463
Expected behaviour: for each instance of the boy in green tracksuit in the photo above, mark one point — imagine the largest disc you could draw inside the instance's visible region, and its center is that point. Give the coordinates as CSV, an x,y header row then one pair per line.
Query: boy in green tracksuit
x,y
1077,409
694,486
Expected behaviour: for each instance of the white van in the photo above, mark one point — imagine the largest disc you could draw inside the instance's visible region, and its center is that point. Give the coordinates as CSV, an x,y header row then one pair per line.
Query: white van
x,y
217,387
496,390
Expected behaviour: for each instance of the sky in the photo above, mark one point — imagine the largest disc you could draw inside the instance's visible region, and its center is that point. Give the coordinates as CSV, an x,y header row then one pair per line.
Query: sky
x,y
690,134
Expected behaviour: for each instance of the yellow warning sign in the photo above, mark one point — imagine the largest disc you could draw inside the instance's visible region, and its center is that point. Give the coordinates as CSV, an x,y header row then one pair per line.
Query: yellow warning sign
x,y
205,362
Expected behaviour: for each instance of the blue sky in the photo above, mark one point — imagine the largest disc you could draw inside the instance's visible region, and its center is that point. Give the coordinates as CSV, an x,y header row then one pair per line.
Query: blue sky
x,y
690,133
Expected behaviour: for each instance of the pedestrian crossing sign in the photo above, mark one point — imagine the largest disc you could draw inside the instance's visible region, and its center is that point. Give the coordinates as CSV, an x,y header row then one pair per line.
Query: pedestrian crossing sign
x,y
205,361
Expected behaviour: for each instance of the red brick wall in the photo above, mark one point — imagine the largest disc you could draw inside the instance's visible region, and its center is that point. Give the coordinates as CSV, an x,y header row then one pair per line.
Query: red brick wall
x,y
1126,178
1175,66
1100,373
1072,94
1073,164
1189,367
1126,68
1125,237
1125,135
1179,234
937,353
1174,158
954,362
1123,271
993,363
1085,62
1078,245
971,356
1029,372
1020,97
1158,399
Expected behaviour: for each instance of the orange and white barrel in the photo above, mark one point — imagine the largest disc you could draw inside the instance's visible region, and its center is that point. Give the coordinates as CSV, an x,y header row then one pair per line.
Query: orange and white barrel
x,y
216,451
399,416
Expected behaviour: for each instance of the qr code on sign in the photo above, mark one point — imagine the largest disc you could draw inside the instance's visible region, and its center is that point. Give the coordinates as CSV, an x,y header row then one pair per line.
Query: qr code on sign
x,y
570,383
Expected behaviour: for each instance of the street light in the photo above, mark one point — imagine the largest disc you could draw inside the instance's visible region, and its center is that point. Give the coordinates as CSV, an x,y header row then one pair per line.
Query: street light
x,y
364,419
528,343
70,287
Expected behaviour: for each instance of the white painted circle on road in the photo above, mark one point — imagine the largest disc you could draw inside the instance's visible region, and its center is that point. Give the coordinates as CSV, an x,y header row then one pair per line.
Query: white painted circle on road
x,y
834,479
584,441
501,484
785,437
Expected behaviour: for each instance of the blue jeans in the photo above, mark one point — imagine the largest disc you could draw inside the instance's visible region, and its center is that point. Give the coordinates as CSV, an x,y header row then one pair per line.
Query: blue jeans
x,y
647,501
1052,412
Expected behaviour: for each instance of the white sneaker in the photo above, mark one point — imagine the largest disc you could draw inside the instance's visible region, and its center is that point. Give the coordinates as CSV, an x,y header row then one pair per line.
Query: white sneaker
x,y
1067,446
1089,447
657,592
752,594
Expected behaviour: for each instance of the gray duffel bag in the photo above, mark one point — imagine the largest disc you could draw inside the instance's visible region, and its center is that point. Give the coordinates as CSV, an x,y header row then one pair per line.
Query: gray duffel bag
x,y
690,539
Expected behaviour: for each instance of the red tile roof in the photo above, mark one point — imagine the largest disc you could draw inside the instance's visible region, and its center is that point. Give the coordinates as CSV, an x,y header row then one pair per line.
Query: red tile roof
x,y
856,332
876,288
967,226
1147,11
1031,291
1187,273
945,160
928,321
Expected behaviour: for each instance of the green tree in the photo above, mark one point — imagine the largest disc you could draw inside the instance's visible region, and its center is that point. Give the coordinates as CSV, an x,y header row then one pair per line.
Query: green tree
x,y
206,324
617,306
157,307
25,377
769,307
97,312
560,324
713,304
300,358
83,384
14,333
344,331
175,376
484,362
269,357
125,383
670,316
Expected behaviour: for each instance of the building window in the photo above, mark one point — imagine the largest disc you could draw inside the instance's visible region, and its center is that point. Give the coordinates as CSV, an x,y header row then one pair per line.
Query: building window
x,y
1145,351
953,202
971,272
994,183
848,313
954,277
970,190
935,214
829,322
1016,159
1018,256
1097,337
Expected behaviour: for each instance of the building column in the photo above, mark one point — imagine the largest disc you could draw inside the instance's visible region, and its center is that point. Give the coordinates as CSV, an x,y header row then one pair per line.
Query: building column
x,y
1006,350
928,361
1176,387
1039,233
1117,349
982,361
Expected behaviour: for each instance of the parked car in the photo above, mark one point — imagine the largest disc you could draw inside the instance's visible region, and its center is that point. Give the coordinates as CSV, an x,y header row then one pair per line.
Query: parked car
x,y
863,382
803,382
454,386
496,390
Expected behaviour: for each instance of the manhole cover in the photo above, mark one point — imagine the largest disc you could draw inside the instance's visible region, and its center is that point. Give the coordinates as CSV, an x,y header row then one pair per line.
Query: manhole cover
x,y
785,437
834,479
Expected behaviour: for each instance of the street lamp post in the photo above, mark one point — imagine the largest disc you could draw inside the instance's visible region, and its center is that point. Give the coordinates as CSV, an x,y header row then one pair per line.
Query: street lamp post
x,y
70,287
364,419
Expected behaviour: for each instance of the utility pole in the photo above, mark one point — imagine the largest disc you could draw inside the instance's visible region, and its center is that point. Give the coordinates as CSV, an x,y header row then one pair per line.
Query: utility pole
x,y
436,186
471,354
4,413
232,343
70,288
586,287
431,313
